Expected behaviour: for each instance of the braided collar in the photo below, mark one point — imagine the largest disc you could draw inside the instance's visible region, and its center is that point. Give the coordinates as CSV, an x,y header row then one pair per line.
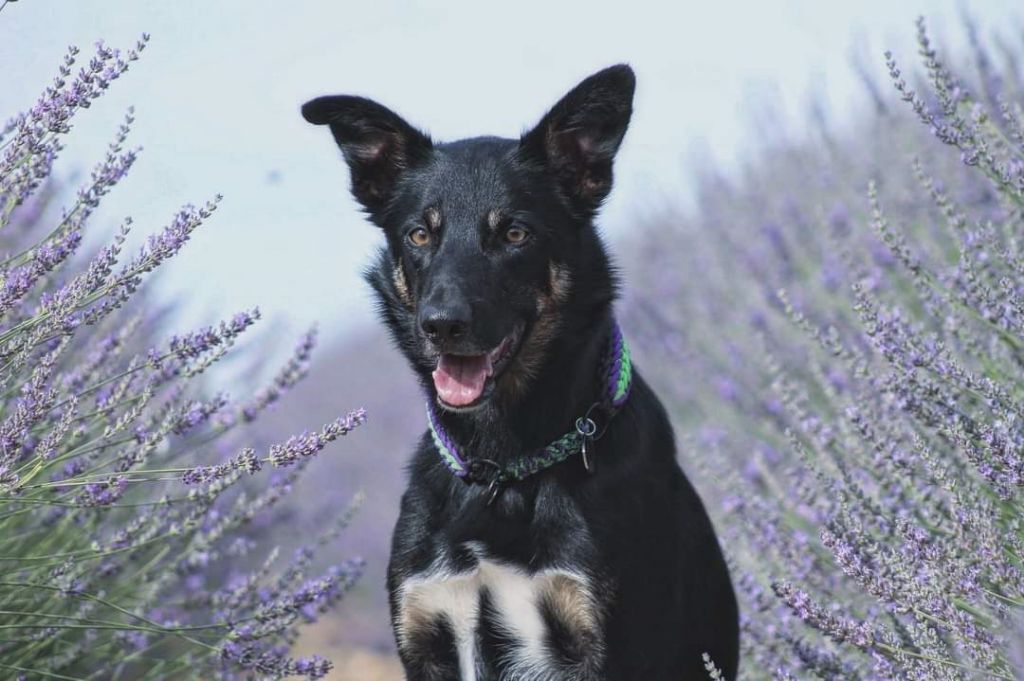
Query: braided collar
x,y
617,380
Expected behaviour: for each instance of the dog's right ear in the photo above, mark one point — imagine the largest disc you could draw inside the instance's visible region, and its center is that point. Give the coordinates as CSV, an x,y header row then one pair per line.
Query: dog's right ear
x,y
579,137
378,144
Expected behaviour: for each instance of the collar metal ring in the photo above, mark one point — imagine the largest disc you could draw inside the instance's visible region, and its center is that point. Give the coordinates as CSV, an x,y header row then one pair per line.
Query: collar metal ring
x,y
585,426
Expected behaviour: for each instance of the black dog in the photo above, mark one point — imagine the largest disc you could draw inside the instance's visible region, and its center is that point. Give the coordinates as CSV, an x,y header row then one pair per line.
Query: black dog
x,y
547,531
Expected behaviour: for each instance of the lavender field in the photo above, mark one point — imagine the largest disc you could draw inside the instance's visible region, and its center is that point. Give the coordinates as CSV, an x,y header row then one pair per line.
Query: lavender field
x,y
837,329
841,338
132,494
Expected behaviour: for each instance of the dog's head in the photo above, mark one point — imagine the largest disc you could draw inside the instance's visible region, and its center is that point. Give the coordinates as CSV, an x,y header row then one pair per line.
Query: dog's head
x,y
488,239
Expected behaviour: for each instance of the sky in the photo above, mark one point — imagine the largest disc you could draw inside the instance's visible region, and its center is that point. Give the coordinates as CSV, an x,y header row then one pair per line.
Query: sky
x,y
218,90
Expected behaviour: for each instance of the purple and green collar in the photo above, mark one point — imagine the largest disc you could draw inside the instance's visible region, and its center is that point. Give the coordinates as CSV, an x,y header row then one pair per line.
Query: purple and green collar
x,y
617,379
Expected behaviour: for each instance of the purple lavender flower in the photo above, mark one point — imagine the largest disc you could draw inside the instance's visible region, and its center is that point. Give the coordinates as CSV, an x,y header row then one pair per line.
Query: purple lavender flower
x,y
195,344
245,461
103,493
307,444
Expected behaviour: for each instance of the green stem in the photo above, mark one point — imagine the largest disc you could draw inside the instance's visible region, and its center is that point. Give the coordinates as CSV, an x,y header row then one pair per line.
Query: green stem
x,y
40,672
974,670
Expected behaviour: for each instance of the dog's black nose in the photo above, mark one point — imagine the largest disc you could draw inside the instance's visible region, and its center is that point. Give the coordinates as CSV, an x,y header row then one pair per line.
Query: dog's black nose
x,y
444,325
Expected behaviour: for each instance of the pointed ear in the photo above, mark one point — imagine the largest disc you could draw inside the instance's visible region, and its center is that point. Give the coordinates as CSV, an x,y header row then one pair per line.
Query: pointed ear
x,y
378,144
578,138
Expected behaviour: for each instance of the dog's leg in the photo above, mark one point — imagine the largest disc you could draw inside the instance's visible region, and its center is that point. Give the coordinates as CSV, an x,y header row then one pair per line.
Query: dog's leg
x,y
541,626
574,622
436,620
429,654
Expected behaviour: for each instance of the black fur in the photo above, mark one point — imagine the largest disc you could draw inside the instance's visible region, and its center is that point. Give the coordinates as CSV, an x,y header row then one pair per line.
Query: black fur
x,y
636,526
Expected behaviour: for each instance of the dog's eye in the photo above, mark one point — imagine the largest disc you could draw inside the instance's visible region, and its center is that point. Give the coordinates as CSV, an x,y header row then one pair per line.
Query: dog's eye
x,y
419,237
516,235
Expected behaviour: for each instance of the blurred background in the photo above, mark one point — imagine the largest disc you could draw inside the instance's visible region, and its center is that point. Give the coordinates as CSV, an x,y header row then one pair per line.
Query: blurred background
x,y
216,97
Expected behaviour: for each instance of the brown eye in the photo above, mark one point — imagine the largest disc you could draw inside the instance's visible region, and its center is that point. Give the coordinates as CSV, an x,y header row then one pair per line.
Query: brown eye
x,y
516,235
419,237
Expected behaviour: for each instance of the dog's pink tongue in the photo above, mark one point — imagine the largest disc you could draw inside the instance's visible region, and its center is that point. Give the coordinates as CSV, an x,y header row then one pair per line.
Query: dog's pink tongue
x,y
460,379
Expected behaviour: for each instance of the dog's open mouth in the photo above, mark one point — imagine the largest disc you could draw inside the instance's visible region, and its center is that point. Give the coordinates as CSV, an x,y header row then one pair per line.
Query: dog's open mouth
x,y
463,381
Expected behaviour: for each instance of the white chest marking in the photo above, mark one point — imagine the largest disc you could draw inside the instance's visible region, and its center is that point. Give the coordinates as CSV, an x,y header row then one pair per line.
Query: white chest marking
x,y
515,595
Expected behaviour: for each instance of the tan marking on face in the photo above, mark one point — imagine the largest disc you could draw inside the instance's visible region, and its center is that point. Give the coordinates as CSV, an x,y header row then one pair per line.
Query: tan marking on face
x,y
432,216
527,362
401,285
560,283
494,218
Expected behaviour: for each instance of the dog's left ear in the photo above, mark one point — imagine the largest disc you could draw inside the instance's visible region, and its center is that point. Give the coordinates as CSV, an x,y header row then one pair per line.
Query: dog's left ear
x,y
378,144
577,139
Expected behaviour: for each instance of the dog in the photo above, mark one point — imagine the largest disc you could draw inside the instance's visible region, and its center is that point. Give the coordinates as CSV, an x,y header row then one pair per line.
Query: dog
x,y
547,530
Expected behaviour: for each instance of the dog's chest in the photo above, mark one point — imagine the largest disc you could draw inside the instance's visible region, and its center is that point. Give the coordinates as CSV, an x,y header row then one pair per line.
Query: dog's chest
x,y
492,601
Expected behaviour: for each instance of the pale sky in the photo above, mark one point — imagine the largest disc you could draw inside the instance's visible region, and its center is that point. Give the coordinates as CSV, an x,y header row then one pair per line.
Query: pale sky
x,y
217,95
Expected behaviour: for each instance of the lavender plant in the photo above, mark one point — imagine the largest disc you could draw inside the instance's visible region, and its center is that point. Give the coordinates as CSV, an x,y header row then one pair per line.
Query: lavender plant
x,y
126,490
844,347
